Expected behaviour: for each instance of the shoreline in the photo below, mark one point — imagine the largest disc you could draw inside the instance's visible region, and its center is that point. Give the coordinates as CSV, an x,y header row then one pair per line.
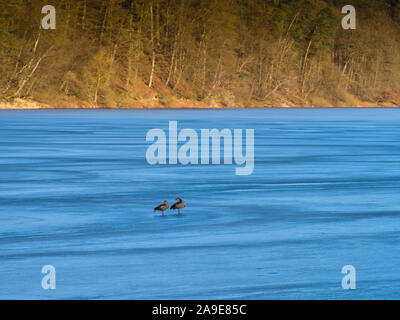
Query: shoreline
x,y
152,104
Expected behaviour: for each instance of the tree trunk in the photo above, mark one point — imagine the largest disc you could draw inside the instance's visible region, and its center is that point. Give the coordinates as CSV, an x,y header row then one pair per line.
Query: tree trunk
x,y
153,62
303,71
83,21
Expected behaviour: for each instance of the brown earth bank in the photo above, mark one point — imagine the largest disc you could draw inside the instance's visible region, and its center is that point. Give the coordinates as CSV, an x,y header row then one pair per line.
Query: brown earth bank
x,y
175,103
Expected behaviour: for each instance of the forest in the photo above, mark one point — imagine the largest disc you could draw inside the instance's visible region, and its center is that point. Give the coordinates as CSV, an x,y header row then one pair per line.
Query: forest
x,y
182,53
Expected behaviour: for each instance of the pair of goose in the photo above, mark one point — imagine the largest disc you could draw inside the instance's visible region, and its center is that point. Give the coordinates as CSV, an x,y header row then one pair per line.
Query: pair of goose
x,y
177,205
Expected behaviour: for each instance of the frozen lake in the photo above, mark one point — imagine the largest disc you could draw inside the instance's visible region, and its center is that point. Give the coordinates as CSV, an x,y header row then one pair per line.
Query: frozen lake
x,y
77,193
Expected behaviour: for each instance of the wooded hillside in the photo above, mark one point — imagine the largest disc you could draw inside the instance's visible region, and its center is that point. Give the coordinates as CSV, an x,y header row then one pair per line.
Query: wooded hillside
x,y
125,53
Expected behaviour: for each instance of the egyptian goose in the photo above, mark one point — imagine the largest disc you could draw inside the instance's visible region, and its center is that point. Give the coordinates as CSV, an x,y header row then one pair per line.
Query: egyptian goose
x,y
178,205
162,207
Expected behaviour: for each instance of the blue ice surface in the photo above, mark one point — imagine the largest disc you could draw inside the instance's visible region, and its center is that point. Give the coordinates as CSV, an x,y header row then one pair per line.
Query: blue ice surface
x,y
77,193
